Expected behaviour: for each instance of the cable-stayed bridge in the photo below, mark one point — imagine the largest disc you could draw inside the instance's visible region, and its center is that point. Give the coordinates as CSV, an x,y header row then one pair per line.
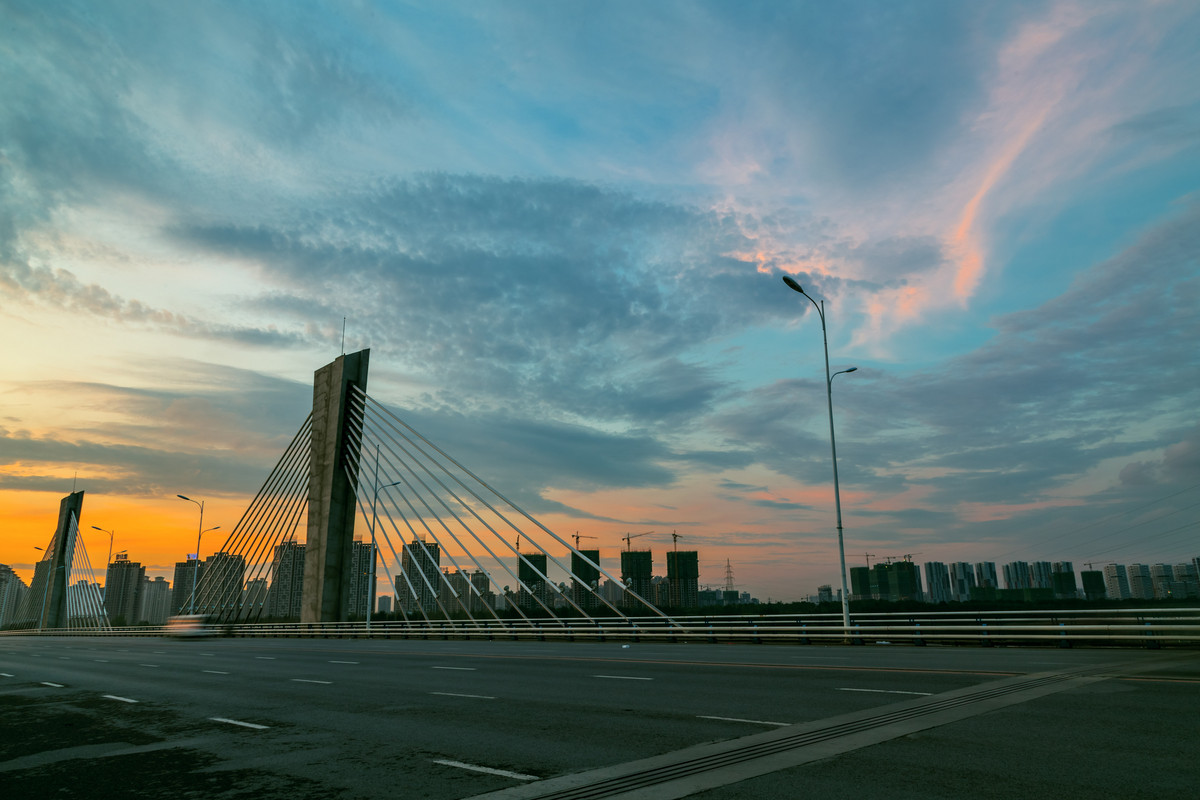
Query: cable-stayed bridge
x,y
382,505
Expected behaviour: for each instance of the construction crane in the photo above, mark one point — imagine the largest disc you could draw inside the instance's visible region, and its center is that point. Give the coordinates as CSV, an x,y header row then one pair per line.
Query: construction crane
x,y
675,541
868,556
578,537
627,537
906,557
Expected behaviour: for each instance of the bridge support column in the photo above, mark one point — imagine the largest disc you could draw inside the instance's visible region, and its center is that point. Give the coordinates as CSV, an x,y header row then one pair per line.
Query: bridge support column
x,y
52,600
331,503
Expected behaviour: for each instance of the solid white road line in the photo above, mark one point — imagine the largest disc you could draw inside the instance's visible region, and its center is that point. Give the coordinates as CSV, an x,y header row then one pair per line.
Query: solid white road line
x,y
5,675
265,658
55,685
239,722
118,697
214,672
751,721
472,696
307,680
461,669
476,768
623,677
883,691
343,662
148,665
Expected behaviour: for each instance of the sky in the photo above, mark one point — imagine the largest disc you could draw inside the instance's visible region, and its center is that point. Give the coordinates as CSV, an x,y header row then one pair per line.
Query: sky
x,y
561,228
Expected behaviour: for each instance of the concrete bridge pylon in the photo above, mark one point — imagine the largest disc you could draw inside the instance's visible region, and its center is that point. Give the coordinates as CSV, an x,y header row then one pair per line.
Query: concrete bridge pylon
x,y
331,494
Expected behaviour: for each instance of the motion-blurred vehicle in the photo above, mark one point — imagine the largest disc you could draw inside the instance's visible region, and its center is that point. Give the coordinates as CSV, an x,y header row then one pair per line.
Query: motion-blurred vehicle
x,y
187,626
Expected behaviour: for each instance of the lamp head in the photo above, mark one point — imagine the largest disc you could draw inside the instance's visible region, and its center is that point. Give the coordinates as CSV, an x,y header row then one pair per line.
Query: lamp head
x,y
792,284
852,369
181,497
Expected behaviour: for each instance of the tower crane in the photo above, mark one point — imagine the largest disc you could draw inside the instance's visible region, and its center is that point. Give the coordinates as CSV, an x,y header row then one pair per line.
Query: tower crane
x,y
868,556
627,537
578,537
675,541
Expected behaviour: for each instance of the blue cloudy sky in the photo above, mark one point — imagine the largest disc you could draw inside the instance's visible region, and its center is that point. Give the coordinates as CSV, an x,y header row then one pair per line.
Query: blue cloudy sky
x,y
561,227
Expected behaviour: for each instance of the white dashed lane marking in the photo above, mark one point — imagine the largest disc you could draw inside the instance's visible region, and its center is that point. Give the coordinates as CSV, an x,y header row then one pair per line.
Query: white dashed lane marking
x,y
118,697
883,691
488,770
460,669
240,723
309,680
472,696
623,677
750,721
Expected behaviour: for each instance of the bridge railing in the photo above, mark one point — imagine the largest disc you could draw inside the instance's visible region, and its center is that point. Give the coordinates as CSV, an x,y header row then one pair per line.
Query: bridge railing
x,y
1159,627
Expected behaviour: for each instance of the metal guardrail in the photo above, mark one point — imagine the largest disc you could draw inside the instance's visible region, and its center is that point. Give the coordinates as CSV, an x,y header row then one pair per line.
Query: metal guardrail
x,y
1172,627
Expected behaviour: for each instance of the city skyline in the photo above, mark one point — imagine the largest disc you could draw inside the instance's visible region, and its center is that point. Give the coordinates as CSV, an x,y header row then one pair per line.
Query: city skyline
x,y
561,230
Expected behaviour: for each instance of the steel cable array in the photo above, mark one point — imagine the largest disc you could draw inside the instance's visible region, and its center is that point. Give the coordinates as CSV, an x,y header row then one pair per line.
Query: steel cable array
x,y
234,582
409,488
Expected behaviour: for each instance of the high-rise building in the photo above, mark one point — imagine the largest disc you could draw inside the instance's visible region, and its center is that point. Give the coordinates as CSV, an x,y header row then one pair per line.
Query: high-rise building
x,y
122,590
221,585
385,604
1062,578
1186,580
154,605
1141,584
1093,584
362,585
585,579
1116,582
660,591
12,593
985,575
937,582
454,591
1041,575
683,578
421,573
187,576
481,592
1163,578
1017,575
860,583
962,581
535,590
637,571
254,603
285,596
906,584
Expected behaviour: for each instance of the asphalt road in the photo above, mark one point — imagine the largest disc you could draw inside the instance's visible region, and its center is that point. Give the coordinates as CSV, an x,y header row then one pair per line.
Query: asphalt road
x,y
142,717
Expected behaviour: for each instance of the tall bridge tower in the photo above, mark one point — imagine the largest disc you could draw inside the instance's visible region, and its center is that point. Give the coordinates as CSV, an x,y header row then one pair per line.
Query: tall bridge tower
x,y
335,451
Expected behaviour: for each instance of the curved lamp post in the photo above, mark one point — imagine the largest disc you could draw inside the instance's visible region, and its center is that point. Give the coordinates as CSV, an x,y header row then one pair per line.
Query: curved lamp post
x,y
837,497
201,531
111,534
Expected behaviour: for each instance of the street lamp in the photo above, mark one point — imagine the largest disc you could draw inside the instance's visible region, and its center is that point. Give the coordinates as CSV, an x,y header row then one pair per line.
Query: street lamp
x,y
201,531
837,497
111,534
